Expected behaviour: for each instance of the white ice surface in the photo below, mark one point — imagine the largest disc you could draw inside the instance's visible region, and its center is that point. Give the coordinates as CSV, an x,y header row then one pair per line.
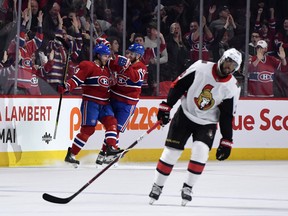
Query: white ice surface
x,y
225,188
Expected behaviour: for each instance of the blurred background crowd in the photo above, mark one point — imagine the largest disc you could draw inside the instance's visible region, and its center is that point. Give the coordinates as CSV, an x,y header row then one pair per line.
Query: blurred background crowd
x,y
43,38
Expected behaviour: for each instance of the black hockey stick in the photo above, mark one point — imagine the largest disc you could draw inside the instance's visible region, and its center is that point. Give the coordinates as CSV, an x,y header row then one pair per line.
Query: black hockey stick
x,y
61,95
54,199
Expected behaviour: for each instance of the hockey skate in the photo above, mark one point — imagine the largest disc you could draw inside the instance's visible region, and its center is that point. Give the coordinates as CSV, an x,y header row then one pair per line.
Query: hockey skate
x,y
70,158
101,157
155,193
111,154
186,194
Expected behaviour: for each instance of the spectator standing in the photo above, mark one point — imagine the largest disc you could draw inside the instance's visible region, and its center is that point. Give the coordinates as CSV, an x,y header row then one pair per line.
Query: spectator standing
x,y
177,54
220,43
281,36
51,21
64,47
151,42
267,30
27,82
193,39
218,24
262,69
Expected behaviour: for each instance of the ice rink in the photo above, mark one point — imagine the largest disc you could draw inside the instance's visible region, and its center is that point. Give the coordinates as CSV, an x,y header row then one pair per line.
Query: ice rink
x,y
225,188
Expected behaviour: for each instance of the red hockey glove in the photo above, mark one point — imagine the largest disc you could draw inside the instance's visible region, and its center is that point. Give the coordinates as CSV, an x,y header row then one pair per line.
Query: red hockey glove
x,y
224,149
100,40
123,61
163,114
61,89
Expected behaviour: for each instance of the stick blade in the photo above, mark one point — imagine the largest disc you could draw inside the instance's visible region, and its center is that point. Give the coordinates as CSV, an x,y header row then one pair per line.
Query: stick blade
x,y
53,199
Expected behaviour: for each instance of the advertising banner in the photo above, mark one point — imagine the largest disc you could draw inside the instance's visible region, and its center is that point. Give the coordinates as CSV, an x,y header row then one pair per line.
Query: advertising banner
x,y
28,124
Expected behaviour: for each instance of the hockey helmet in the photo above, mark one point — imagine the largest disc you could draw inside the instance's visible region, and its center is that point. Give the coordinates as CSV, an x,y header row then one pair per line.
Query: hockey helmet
x,y
137,48
101,49
231,55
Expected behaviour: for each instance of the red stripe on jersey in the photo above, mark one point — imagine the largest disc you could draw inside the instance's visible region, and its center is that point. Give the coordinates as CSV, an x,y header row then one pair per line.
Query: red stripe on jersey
x,y
195,167
164,168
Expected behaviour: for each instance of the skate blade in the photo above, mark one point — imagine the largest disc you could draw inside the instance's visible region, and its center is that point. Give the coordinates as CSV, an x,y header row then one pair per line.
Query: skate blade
x,y
152,201
72,164
184,202
109,159
99,166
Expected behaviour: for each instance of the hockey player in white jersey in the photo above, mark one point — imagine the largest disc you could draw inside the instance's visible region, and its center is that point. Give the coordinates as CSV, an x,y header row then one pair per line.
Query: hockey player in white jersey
x,y
209,94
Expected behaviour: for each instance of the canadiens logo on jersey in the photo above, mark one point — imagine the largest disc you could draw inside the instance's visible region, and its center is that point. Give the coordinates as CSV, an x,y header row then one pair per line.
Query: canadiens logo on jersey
x,y
205,100
26,63
265,76
103,81
121,80
34,81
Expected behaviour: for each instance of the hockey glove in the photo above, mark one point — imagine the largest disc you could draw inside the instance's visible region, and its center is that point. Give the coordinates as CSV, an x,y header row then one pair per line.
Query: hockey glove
x,y
62,89
123,61
224,149
163,114
100,40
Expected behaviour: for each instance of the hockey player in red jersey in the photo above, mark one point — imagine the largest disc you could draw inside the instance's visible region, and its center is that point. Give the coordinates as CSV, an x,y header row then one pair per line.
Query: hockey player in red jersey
x,y
209,94
94,78
129,72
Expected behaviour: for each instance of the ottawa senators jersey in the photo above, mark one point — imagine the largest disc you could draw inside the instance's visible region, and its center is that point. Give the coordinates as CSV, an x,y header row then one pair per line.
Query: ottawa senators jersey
x,y
205,97
94,81
201,102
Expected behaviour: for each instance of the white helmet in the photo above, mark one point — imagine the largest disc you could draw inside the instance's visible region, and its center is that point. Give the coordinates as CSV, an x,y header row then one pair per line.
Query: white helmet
x,y
231,54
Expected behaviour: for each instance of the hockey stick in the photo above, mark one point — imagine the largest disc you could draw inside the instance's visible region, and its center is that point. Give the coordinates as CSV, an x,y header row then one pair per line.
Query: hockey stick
x,y
61,95
58,200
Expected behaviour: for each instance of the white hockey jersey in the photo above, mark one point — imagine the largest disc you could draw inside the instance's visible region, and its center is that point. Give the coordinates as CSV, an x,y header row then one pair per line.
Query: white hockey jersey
x,y
201,101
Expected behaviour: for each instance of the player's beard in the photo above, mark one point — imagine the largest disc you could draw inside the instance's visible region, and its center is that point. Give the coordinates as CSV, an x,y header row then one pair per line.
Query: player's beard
x,y
222,72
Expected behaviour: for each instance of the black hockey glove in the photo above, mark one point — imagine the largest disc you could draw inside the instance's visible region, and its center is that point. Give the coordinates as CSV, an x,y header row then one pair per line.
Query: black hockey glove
x,y
164,113
224,149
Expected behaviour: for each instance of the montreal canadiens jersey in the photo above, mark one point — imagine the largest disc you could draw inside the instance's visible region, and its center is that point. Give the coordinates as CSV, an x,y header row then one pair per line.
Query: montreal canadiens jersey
x,y
202,99
94,81
129,82
261,76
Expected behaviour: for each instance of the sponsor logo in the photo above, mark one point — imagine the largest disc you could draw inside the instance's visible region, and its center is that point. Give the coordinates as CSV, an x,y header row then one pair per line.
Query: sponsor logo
x,y
8,135
46,138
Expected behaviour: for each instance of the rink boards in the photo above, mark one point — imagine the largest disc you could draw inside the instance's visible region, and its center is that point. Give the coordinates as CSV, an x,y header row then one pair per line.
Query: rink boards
x,y
28,125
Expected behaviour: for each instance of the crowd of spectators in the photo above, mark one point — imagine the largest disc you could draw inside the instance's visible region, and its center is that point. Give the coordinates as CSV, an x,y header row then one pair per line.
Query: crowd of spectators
x,y
56,35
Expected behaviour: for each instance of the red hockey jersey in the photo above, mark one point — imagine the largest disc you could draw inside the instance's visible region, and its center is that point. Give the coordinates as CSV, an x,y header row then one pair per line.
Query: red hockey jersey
x,y
128,85
25,77
94,81
260,79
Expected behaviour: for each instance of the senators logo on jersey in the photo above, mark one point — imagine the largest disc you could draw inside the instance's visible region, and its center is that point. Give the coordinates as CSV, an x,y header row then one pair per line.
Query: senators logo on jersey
x,y
205,100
